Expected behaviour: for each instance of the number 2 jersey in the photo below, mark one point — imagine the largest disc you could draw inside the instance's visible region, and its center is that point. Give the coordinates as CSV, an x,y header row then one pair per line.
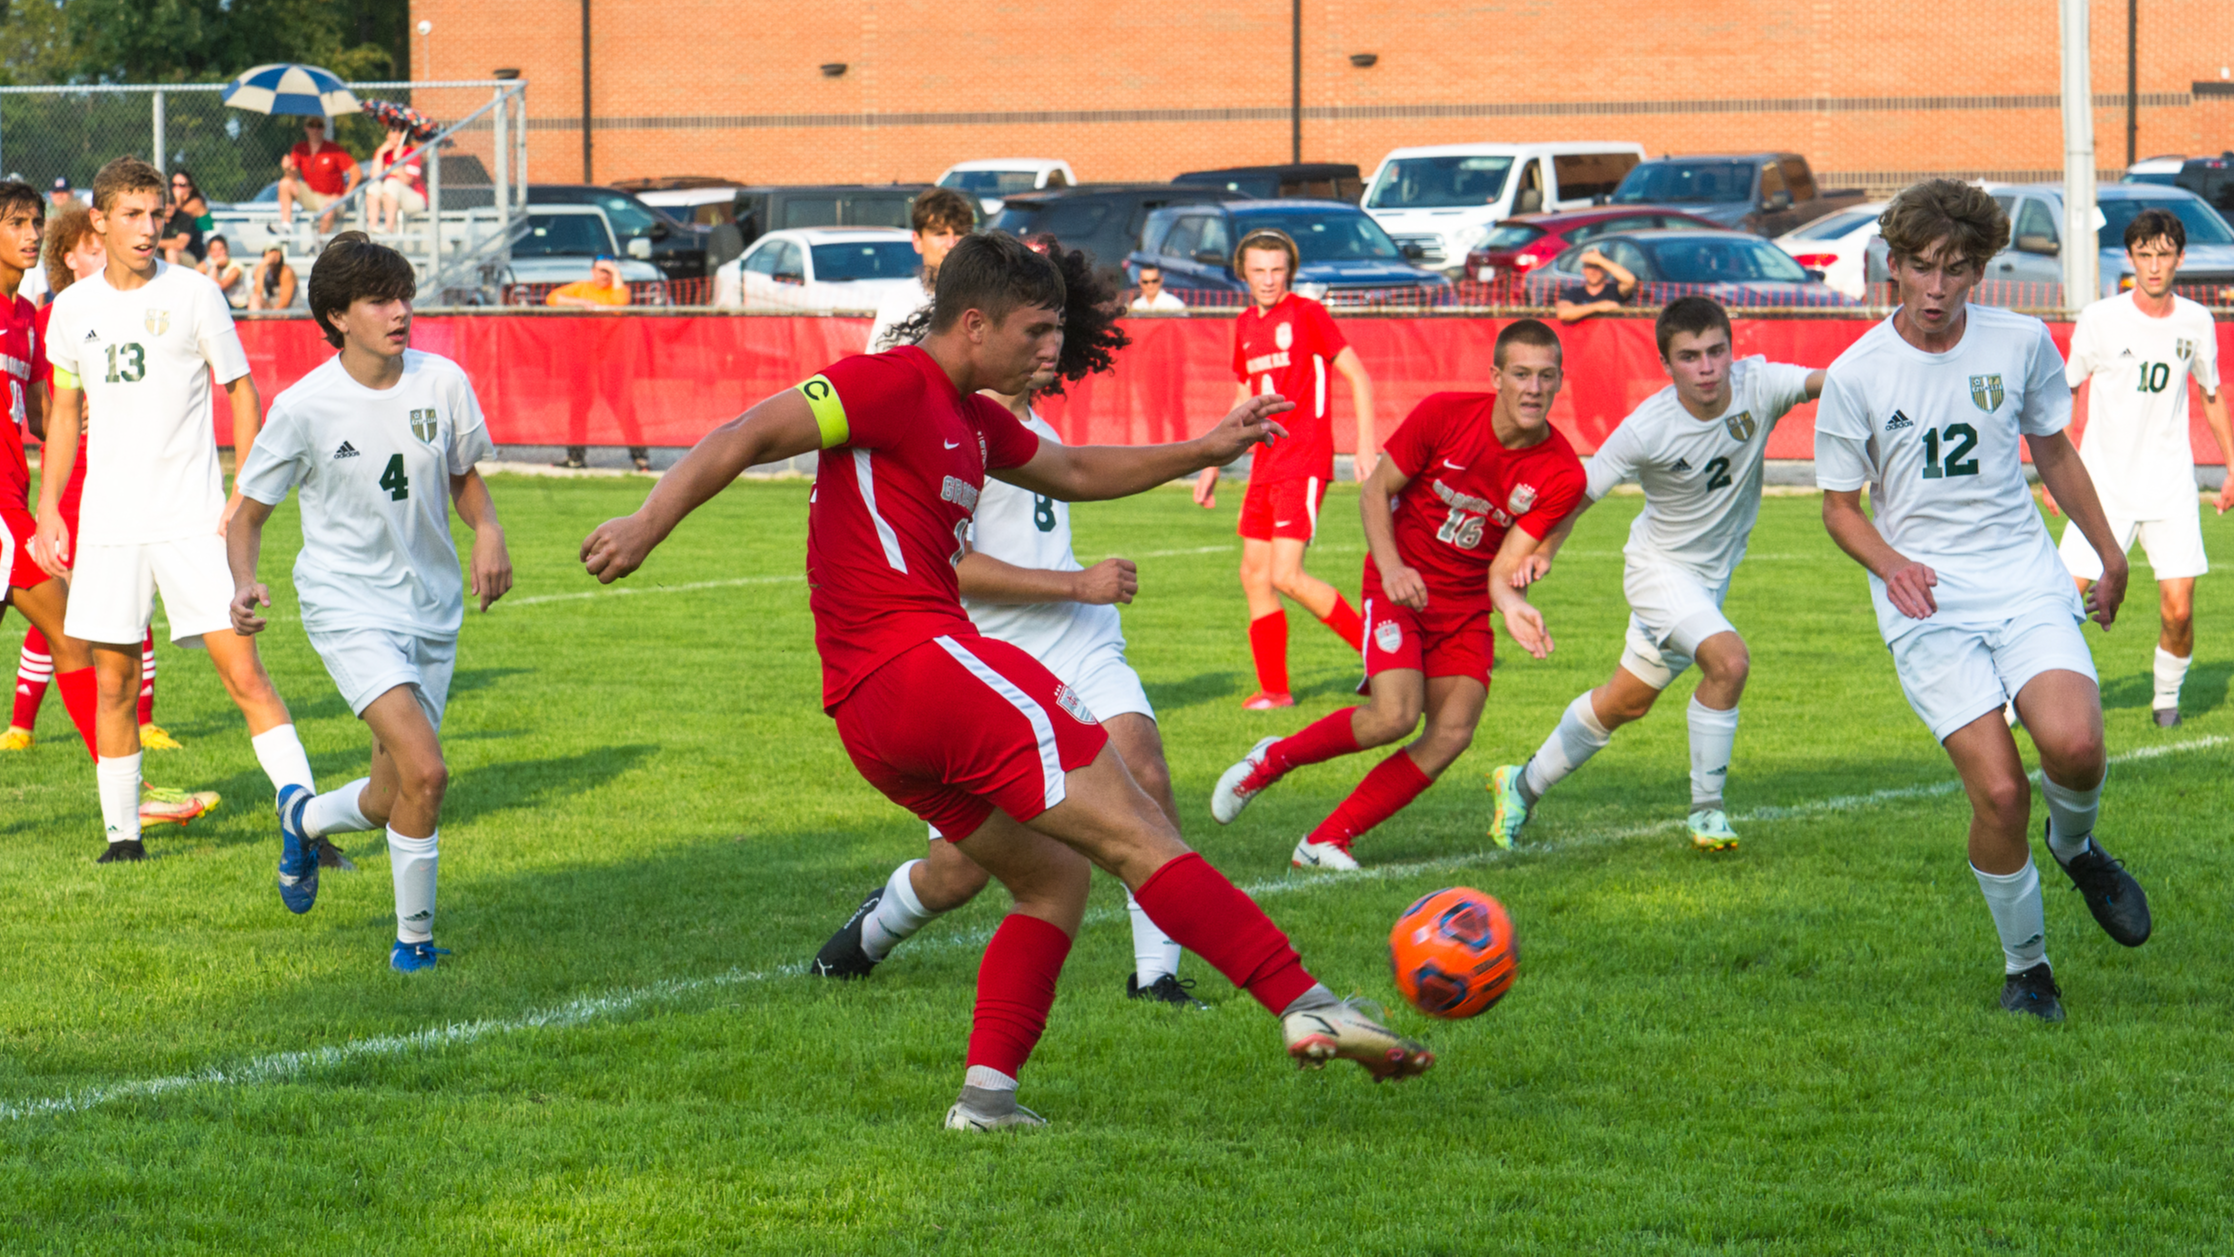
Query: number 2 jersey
x,y
1464,491
1023,529
2136,446
374,466
1936,437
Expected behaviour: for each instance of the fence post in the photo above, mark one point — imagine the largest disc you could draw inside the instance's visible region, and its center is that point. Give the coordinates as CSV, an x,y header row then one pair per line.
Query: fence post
x,y
501,153
158,94
520,184
434,217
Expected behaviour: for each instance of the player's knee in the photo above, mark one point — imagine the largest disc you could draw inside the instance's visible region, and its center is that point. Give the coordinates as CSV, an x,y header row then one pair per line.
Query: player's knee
x,y
424,780
1383,722
1444,744
1154,778
2072,758
2006,801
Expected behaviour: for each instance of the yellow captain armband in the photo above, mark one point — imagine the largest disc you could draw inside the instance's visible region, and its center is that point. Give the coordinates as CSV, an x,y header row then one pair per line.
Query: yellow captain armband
x,y
830,413
65,379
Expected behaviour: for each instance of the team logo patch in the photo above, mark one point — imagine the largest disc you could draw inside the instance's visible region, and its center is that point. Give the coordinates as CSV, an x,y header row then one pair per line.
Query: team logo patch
x,y
424,424
1524,497
156,322
1284,335
1986,392
1389,635
1068,699
2182,349
1741,425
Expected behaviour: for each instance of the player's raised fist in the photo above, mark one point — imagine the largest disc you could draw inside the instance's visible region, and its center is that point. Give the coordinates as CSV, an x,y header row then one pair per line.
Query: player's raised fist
x,y
1111,580
2108,591
616,548
245,601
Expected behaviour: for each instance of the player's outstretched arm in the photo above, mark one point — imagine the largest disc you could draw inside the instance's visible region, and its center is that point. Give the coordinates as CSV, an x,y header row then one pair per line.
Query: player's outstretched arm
x,y
2215,418
1539,563
1362,401
987,579
1815,385
1399,579
50,545
244,545
1523,621
2064,476
1092,473
776,429
1908,582
491,564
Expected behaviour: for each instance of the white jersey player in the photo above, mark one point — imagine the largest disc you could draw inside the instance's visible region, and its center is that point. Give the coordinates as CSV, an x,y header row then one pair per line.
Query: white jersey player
x,y
137,345
381,440
937,220
1928,409
1697,448
2139,350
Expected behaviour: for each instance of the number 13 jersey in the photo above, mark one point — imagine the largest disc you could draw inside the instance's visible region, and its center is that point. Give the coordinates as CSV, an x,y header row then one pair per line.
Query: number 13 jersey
x,y
1936,437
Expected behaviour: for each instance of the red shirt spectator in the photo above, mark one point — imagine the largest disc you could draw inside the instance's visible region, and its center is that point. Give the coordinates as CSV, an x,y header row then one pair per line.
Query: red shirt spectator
x,y
325,169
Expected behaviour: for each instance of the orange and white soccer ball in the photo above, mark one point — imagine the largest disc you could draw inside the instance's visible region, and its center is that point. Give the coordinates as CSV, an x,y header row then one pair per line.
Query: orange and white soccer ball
x,y
1454,953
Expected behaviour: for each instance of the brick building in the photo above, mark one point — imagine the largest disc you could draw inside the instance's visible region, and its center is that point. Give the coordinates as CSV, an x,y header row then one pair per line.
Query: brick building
x,y
1876,92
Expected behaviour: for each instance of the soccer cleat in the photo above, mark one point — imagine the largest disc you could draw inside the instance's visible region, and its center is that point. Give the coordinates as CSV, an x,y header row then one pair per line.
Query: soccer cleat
x,y
123,852
298,858
1711,830
1233,791
1018,1118
1509,811
153,737
2032,991
162,805
1165,990
1325,857
842,957
412,957
17,739
2113,896
331,857
1267,700
1352,1030
2166,718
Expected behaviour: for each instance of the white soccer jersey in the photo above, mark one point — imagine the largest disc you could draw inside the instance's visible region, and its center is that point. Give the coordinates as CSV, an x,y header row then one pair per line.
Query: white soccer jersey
x,y
144,359
1936,438
1023,529
898,307
1702,478
375,468
2136,446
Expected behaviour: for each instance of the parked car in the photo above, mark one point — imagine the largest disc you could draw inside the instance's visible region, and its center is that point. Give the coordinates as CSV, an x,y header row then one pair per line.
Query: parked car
x,y
1836,246
758,210
1736,268
2212,178
1319,181
995,179
2159,170
679,250
1104,219
1347,259
708,204
1768,194
2033,259
561,241
1526,241
819,269
1438,199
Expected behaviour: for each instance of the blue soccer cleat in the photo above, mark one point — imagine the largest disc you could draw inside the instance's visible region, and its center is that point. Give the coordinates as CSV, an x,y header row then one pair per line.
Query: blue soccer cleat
x,y
298,855
412,957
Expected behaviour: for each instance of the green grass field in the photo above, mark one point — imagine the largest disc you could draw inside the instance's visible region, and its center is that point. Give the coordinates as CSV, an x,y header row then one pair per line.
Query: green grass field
x,y
1791,1049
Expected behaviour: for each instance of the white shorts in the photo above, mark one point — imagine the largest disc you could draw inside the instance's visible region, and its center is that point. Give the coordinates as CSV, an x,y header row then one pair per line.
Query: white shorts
x,y
367,663
1952,676
1671,612
113,588
2174,547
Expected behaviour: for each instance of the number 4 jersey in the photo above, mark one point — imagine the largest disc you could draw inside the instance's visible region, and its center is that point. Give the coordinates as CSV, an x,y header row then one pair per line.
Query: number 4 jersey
x,y
375,468
1936,437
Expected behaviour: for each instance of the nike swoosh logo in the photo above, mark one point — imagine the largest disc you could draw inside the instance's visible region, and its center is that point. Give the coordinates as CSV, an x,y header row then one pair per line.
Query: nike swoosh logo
x,y
1454,466
954,445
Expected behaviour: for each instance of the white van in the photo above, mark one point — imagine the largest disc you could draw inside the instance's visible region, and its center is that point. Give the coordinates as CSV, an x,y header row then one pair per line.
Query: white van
x,y
1438,199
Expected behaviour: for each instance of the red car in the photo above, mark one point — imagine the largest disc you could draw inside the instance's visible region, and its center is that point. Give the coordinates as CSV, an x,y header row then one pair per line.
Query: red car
x,y
1526,241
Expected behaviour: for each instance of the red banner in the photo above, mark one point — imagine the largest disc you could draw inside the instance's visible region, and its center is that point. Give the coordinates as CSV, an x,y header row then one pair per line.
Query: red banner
x,y
643,379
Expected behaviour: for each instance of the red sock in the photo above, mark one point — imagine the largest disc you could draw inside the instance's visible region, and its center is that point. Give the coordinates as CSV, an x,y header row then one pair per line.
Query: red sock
x,y
81,695
1322,739
1203,912
1016,987
1392,784
147,679
1344,620
1268,644
34,668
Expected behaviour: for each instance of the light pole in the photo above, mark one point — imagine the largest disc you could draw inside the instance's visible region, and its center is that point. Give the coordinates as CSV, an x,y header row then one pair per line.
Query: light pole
x,y
2079,251
426,57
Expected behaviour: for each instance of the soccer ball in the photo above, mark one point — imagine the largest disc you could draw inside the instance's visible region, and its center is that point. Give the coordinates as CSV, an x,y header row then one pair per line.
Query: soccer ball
x,y
1454,953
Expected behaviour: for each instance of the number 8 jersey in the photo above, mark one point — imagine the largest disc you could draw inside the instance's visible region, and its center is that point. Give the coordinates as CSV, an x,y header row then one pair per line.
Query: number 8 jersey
x,y
1023,529
1936,437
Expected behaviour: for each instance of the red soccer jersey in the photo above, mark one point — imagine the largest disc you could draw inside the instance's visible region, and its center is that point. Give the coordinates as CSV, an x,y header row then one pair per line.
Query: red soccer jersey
x,y
894,496
1466,491
1290,350
43,372
19,354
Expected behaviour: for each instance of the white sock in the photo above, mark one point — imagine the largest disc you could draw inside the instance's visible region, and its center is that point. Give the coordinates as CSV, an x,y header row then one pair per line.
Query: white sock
x,y
336,811
411,862
2071,816
1154,952
281,754
2015,901
987,1078
1577,737
898,915
2167,673
118,779
1713,733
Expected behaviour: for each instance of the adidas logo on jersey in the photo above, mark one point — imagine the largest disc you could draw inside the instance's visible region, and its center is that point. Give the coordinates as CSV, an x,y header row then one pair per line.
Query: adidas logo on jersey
x,y
1898,422
1681,465
346,451
93,336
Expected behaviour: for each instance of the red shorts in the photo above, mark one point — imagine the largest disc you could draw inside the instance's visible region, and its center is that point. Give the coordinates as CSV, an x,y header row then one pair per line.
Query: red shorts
x,y
959,726
1282,508
16,528
1440,643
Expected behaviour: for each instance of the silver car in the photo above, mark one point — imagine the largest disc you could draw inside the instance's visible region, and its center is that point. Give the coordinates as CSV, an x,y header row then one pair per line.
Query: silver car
x,y
2030,271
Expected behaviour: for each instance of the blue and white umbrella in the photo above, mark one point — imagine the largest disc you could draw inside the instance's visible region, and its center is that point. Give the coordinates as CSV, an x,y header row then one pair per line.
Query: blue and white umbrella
x,y
288,88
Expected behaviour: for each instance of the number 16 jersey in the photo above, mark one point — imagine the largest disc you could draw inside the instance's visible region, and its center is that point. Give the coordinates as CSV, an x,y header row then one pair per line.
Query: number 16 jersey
x,y
1936,437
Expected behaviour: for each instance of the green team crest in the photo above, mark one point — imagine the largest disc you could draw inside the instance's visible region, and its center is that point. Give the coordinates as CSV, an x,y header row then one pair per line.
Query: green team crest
x,y
424,425
156,322
2184,349
1741,425
1986,392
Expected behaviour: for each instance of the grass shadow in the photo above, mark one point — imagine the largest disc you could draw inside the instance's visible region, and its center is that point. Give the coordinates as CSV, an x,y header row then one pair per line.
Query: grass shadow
x,y
2204,690
536,782
1203,687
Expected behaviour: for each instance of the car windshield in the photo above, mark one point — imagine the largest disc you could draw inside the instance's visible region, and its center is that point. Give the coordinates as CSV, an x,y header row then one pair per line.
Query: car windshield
x,y
1510,235
1427,182
864,259
1333,237
990,182
629,216
563,235
2165,177
1686,183
2204,225
1722,260
1833,226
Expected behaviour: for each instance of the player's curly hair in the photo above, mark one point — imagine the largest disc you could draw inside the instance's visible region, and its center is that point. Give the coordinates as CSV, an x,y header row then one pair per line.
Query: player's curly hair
x,y
1091,335
70,225
353,268
1924,214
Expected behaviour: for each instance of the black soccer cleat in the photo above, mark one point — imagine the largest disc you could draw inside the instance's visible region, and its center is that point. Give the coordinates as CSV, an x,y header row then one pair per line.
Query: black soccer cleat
x,y
123,852
2033,991
2113,895
331,857
842,957
1165,990
2166,717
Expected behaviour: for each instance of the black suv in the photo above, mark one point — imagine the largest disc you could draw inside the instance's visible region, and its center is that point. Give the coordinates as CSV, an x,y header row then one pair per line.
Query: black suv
x,y
1314,181
1103,219
678,249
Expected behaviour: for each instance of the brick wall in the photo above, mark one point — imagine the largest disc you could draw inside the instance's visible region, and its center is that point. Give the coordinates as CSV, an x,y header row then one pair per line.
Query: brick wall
x,y
1874,91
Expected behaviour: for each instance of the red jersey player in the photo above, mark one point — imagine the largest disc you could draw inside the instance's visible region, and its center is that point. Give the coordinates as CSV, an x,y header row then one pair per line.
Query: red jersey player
x,y
970,733
1471,485
1284,345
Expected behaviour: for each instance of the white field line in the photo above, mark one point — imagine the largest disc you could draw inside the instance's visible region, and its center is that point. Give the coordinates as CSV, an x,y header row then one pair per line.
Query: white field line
x,y
282,1066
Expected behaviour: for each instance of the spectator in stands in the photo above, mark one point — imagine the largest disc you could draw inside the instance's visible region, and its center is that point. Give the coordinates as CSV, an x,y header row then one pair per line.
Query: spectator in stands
x,y
318,174
62,197
1607,286
603,289
940,219
189,224
401,182
230,276
1153,299
271,286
